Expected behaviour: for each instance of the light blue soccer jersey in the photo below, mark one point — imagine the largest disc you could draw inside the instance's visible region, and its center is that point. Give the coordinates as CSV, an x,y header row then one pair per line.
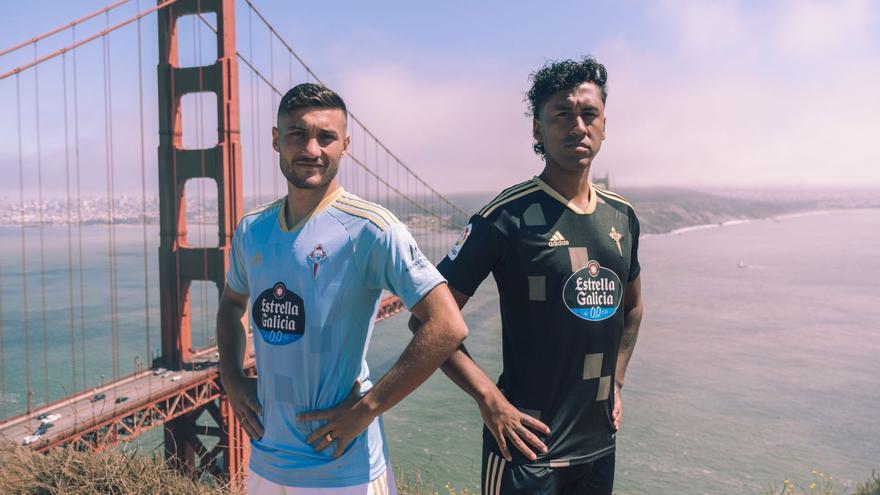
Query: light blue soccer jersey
x,y
314,291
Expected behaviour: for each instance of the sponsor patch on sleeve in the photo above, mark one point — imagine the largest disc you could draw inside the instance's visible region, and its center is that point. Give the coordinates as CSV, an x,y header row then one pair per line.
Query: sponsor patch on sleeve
x,y
456,248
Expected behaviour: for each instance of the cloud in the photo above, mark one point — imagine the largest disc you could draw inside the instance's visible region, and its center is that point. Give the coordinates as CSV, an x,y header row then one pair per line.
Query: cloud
x,y
822,28
769,95
465,133
716,111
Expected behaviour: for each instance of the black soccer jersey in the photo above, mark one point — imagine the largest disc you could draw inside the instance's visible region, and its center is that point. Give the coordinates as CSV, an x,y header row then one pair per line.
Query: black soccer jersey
x,y
561,274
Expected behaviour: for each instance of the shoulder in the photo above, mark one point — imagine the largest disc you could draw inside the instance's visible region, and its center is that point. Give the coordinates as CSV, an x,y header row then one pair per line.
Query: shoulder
x,y
509,199
614,200
361,217
261,215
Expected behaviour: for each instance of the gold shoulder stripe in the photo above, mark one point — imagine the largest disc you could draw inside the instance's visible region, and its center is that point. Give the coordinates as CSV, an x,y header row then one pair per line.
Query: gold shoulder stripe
x,y
505,194
366,206
375,219
262,208
385,213
613,197
497,204
608,193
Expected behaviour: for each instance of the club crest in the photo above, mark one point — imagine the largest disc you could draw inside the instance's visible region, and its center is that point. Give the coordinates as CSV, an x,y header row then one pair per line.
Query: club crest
x,y
616,237
317,255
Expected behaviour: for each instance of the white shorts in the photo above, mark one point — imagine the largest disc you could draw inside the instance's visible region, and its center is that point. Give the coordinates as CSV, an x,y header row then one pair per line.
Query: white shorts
x,y
383,485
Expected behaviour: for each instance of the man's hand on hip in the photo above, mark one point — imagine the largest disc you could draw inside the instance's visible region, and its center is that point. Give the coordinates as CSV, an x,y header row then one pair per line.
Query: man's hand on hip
x,y
506,422
242,392
344,422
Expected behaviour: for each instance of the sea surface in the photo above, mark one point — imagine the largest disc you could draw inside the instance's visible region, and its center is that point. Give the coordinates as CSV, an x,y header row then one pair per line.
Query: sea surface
x,y
758,358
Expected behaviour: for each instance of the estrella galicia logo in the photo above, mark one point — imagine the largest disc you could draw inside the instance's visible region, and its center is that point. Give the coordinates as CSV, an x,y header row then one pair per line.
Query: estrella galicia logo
x,y
593,293
279,315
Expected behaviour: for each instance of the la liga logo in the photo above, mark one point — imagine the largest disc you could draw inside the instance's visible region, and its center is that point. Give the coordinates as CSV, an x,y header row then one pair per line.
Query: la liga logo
x,y
593,293
279,315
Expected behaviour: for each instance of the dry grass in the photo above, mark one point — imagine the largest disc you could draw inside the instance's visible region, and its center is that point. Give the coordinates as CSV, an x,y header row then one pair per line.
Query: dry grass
x,y
68,472
823,484
124,472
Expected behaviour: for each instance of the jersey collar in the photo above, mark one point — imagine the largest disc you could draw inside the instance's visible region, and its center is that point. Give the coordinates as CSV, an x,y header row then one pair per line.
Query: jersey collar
x,y
591,207
282,212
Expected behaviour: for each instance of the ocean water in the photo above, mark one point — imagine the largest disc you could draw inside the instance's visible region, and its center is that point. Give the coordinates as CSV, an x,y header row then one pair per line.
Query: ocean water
x,y
757,359
742,376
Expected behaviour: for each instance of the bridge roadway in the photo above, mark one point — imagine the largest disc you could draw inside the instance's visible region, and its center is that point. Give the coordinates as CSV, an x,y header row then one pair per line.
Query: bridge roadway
x,y
142,389
151,400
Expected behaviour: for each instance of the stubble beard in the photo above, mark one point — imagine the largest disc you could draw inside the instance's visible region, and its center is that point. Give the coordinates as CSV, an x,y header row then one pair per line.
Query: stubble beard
x,y
329,173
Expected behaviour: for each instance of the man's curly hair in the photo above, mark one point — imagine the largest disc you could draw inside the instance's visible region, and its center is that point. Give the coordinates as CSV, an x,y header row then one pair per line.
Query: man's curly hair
x,y
559,75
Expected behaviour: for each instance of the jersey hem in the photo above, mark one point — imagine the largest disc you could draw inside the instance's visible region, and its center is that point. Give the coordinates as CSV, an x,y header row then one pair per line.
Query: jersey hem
x,y
319,482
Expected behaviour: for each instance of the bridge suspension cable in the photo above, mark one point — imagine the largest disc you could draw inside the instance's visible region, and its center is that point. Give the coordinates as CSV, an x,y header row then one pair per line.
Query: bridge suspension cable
x,y
79,300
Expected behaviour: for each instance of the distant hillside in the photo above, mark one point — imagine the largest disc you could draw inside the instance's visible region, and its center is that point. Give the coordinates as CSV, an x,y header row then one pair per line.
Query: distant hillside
x,y
664,209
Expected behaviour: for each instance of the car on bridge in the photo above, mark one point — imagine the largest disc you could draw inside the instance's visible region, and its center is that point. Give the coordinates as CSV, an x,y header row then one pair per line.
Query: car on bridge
x,y
48,418
97,397
30,439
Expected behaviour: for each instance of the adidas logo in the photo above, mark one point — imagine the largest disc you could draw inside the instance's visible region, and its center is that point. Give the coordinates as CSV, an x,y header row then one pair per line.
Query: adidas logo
x,y
557,240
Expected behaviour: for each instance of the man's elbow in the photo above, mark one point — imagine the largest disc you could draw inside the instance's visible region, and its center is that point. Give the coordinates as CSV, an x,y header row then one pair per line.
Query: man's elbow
x,y
458,331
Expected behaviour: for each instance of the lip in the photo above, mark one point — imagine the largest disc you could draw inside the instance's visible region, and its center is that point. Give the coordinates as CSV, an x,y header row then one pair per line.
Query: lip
x,y
578,147
308,165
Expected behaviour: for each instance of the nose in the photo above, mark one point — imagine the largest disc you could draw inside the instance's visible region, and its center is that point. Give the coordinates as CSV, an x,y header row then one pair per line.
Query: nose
x,y
579,127
313,150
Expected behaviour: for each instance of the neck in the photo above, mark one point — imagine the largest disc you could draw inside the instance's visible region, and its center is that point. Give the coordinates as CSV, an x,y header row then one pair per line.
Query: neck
x,y
301,202
573,185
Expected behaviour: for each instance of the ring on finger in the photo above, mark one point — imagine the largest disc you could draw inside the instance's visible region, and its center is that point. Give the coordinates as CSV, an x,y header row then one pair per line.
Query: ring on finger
x,y
328,437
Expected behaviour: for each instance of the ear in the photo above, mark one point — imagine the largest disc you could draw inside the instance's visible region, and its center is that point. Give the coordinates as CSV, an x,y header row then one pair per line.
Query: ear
x,y
604,124
536,129
345,144
275,137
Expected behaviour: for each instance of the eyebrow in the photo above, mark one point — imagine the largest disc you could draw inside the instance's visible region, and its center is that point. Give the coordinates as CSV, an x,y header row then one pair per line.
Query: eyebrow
x,y
573,106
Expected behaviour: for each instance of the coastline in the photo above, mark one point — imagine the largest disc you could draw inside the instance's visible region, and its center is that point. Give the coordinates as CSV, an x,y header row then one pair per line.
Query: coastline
x,y
740,221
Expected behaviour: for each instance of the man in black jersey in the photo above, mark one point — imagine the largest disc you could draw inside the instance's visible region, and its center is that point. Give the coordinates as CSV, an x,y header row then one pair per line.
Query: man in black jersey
x,y
564,254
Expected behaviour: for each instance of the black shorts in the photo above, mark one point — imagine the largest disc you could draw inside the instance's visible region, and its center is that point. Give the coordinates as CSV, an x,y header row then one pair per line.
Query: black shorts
x,y
500,477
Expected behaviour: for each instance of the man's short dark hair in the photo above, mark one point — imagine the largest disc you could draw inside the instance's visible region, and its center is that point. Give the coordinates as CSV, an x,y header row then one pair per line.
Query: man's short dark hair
x,y
559,75
310,95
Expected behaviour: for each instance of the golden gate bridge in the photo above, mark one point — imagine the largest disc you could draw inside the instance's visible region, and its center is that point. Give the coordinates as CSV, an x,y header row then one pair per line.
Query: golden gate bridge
x,y
106,304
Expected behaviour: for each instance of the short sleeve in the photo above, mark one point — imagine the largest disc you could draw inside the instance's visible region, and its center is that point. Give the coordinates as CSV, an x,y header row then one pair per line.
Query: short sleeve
x,y
472,256
236,277
634,267
395,263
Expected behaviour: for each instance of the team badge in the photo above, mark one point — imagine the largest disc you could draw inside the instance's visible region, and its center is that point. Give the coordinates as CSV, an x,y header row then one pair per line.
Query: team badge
x,y
456,248
616,237
279,315
593,293
317,255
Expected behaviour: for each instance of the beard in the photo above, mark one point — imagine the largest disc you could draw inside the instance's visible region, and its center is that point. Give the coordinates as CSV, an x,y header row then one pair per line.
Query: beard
x,y
317,180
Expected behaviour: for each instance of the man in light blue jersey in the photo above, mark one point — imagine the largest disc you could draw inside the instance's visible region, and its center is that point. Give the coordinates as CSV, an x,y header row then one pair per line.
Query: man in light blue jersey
x,y
310,269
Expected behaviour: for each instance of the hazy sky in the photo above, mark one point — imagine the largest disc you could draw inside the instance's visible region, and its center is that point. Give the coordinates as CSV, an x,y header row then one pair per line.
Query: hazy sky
x,y
719,93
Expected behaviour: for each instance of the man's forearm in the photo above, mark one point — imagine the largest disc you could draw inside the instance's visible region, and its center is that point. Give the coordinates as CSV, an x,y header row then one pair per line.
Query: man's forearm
x,y
425,353
631,322
231,338
462,370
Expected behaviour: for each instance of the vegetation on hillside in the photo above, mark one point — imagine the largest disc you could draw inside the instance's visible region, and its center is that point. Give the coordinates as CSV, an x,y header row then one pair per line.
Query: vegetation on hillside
x,y
128,471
